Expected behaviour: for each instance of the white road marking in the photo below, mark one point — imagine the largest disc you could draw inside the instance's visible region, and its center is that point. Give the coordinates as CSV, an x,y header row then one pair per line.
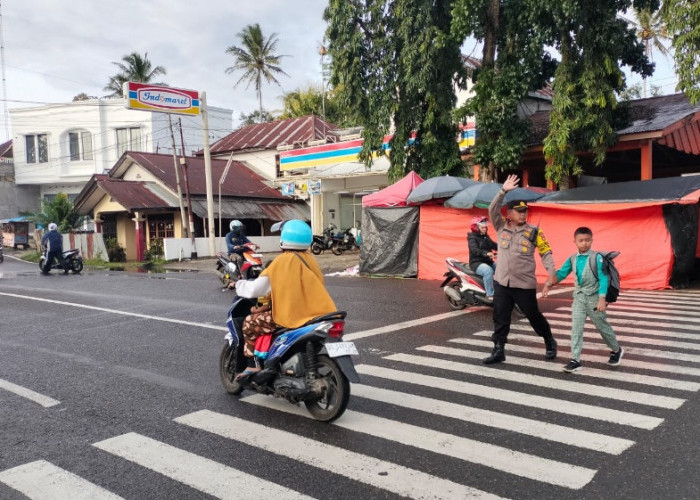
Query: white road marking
x,y
116,311
469,450
646,365
408,324
640,398
652,305
624,325
41,480
654,353
388,476
665,343
513,397
672,315
198,472
610,374
44,401
498,420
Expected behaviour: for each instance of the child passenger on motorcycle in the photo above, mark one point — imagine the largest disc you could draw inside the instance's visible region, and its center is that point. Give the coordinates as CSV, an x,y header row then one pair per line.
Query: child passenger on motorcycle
x,y
482,251
295,284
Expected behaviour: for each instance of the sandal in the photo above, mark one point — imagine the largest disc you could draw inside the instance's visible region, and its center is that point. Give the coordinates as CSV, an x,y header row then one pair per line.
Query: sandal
x,y
246,373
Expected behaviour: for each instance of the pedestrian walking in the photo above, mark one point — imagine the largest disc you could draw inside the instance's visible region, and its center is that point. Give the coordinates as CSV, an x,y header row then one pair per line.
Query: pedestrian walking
x,y
515,281
590,290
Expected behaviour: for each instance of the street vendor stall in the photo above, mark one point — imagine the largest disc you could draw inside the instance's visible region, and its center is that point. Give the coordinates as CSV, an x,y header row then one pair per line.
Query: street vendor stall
x,y
15,232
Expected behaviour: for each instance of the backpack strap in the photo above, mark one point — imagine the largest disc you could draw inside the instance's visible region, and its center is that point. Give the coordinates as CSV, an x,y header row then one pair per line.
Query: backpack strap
x,y
593,263
302,260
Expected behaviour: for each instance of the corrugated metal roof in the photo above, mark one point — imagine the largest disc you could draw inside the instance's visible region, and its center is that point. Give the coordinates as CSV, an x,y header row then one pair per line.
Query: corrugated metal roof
x,y
240,180
253,209
272,134
132,195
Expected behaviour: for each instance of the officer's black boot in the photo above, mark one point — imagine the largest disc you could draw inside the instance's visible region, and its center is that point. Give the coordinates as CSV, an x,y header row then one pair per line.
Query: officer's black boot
x,y
551,348
498,355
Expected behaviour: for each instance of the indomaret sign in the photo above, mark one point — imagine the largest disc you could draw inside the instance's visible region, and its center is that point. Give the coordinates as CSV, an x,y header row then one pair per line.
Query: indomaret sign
x,y
149,97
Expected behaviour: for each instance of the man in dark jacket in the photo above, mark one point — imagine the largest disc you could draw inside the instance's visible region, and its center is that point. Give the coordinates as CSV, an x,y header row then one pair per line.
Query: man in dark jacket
x,y
482,250
235,240
53,242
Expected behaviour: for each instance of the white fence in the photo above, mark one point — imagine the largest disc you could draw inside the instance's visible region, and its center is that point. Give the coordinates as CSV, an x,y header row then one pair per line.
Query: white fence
x,y
181,248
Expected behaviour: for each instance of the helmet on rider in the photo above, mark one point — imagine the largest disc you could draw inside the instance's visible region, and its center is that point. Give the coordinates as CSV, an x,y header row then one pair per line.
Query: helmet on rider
x,y
235,225
296,235
52,227
479,221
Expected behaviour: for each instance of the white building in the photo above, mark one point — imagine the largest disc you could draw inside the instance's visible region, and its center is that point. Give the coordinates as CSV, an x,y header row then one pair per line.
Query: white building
x,y
58,147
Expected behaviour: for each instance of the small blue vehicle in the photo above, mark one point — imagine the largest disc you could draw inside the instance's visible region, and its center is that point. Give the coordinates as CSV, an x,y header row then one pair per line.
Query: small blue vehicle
x,y
310,364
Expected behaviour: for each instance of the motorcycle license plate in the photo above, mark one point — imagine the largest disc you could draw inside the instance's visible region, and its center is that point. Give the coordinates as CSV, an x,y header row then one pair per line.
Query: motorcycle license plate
x,y
337,349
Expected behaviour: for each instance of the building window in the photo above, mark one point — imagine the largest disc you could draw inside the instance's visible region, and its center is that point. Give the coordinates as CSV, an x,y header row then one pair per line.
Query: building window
x,y
128,139
37,148
160,226
80,145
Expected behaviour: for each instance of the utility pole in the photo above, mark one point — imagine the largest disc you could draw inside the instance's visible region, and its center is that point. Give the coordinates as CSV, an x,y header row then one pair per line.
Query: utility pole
x,y
183,219
207,172
183,162
4,84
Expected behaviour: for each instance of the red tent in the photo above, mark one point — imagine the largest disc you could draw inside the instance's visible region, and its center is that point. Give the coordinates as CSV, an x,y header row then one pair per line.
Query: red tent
x,y
394,195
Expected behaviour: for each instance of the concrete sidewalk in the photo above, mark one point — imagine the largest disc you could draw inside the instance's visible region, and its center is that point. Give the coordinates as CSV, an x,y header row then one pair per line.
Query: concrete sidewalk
x,y
328,262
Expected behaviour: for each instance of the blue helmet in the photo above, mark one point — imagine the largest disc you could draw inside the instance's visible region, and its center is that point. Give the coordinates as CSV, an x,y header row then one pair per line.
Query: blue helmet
x,y
296,235
235,224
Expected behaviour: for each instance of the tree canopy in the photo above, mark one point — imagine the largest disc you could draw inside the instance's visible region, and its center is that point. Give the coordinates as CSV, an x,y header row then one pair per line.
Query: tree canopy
x,y
133,68
256,57
682,18
394,65
61,211
310,100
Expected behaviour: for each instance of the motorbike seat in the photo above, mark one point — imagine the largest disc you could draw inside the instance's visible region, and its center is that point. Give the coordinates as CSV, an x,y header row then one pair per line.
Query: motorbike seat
x,y
464,267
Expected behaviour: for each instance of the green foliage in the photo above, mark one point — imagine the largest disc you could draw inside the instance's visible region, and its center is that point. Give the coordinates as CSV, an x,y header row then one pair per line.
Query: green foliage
x,y
133,68
309,100
155,250
115,252
257,59
682,19
255,117
396,62
61,211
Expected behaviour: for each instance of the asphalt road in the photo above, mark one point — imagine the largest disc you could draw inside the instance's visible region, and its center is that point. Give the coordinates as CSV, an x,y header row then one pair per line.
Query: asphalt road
x,y
107,379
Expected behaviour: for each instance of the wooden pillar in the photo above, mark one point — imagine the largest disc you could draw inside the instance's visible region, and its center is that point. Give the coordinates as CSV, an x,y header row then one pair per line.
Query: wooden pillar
x,y
525,178
140,236
476,172
646,170
550,184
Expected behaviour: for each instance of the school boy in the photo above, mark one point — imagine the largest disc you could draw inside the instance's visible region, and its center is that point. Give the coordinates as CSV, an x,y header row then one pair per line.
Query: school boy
x,y
589,299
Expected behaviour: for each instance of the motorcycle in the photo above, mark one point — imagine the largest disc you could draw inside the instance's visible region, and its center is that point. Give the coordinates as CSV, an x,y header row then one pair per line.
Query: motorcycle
x,y
72,261
251,267
463,287
344,241
310,364
324,242
2,258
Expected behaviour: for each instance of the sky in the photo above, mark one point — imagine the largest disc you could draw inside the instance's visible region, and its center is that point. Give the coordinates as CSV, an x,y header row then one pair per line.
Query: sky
x,y
54,50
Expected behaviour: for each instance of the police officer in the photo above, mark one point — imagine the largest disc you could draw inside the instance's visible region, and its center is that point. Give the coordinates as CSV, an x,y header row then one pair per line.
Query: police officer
x,y
515,281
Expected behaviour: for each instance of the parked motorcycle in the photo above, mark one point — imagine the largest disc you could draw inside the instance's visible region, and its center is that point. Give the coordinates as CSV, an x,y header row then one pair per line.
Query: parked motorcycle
x,y
2,258
323,242
310,364
463,287
251,267
72,261
344,241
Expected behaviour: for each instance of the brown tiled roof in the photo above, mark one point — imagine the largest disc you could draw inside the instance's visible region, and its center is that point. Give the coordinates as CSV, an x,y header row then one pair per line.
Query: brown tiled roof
x,y
6,149
645,115
240,180
269,135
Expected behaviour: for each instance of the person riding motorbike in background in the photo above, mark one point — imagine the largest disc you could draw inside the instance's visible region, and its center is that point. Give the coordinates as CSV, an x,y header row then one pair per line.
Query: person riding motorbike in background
x,y
53,242
296,286
235,239
482,251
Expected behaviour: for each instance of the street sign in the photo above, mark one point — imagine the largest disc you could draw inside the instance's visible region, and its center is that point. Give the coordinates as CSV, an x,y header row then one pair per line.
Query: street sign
x,y
149,97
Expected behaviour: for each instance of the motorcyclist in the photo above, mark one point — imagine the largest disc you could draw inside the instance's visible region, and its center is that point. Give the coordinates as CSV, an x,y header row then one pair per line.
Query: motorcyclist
x,y
53,242
482,251
295,282
235,241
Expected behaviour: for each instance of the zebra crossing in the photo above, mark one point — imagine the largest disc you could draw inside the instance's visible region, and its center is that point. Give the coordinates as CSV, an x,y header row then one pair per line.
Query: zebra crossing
x,y
599,412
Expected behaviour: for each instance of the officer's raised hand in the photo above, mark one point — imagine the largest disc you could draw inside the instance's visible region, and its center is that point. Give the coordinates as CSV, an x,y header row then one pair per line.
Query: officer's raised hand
x,y
511,183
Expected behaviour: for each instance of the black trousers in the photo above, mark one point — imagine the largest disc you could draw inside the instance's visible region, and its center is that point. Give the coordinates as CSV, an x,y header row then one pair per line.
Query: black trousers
x,y
504,299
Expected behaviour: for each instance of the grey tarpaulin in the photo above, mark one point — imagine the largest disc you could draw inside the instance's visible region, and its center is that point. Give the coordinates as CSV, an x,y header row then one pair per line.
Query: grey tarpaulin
x,y
389,241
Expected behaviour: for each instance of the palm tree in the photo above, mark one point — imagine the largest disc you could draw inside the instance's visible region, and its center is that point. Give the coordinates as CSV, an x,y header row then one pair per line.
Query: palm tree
x,y
651,30
256,58
134,68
